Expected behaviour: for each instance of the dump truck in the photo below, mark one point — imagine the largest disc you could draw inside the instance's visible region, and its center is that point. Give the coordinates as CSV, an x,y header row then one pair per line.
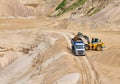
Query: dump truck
x,y
78,48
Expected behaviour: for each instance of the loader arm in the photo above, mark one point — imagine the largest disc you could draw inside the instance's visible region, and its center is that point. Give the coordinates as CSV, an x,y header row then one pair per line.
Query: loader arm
x,y
80,35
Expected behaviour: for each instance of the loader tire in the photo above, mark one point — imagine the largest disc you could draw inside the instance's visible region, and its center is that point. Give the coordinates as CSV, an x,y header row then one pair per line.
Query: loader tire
x,y
99,48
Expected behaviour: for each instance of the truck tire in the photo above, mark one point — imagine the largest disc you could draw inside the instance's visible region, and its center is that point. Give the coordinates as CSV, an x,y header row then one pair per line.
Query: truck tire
x,y
75,53
87,47
73,50
99,48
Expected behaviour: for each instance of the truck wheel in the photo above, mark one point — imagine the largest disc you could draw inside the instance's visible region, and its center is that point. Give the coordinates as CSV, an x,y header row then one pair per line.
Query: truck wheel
x,y
72,48
75,54
98,48
87,47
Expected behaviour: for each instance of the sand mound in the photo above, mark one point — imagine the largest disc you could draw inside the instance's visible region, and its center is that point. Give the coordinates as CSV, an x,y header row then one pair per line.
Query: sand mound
x,y
13,8
8,58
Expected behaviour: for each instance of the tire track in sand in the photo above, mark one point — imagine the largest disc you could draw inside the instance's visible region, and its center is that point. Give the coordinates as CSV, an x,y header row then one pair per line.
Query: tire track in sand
x,y
89,75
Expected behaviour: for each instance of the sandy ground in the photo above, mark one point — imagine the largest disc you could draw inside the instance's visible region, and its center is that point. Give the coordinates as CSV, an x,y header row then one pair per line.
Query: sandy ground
x,y
37,51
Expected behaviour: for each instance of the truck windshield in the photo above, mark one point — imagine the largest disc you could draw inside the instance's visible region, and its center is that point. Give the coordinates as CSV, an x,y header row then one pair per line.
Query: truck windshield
x,y
80,46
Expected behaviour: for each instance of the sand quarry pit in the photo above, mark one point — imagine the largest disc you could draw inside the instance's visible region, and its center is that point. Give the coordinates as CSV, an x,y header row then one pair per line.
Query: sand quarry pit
x,y
34,53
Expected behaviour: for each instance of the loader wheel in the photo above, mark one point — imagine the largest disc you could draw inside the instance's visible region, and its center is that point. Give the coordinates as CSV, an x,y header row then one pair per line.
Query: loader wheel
x,y
87,47
98,48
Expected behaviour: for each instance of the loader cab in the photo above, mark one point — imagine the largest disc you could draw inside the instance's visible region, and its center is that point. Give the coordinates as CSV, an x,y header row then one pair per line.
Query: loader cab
x,y
95,40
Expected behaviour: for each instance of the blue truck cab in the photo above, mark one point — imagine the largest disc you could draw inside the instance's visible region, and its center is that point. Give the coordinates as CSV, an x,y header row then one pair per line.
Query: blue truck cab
x,y
78,48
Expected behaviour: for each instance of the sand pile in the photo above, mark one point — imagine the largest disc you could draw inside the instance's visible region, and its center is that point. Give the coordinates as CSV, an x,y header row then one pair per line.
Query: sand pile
x,y
8,58
13,8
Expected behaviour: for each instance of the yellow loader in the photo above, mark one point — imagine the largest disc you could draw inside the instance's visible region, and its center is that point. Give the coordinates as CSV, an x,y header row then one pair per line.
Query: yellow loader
x,y
95,44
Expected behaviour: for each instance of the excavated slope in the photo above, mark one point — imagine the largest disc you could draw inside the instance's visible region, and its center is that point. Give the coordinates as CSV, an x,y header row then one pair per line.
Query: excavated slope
x,y
110,14
79,7
47,6
91,7
13,8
